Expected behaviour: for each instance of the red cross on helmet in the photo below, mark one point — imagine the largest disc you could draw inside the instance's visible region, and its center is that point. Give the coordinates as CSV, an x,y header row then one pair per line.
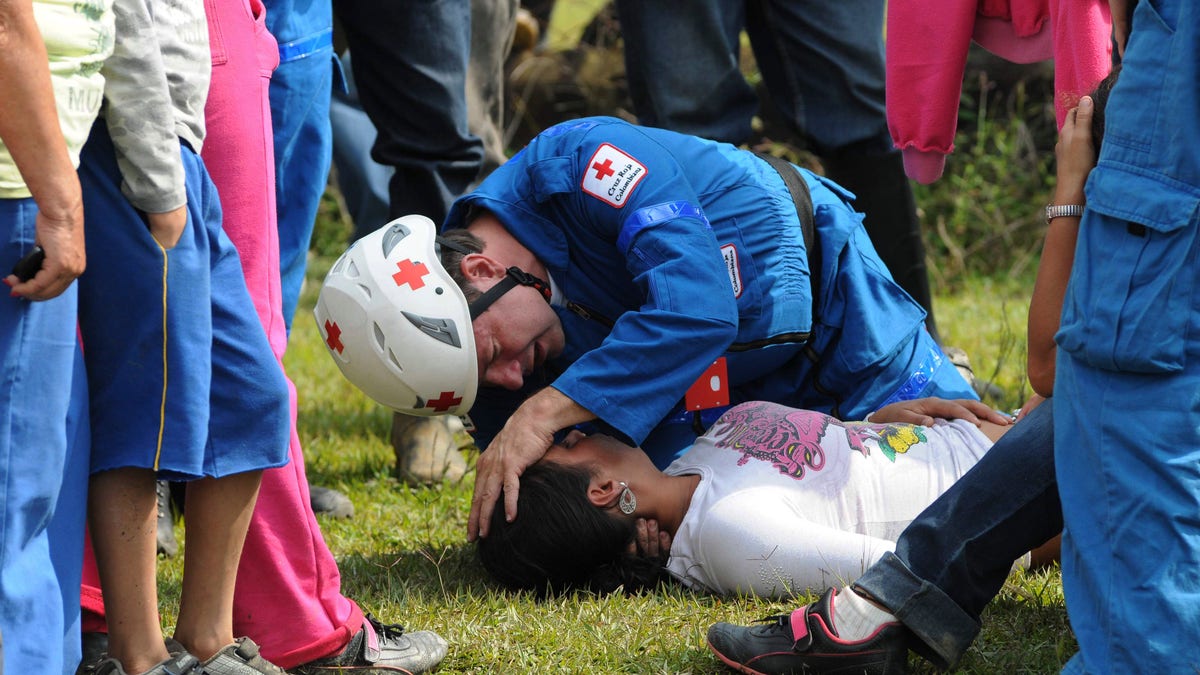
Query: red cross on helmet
x,y
397,325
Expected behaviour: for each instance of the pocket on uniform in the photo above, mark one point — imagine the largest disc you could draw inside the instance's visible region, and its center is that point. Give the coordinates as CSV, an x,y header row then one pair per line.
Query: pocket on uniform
x,y
1129,303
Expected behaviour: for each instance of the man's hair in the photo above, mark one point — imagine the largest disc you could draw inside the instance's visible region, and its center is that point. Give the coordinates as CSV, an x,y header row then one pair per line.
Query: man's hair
x,y
452,259
560,541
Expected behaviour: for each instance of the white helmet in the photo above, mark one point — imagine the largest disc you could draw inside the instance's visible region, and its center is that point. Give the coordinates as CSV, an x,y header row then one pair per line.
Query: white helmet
x,y
397,325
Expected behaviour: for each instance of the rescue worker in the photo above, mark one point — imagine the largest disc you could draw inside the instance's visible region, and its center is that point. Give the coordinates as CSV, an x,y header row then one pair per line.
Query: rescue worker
x,y
651,279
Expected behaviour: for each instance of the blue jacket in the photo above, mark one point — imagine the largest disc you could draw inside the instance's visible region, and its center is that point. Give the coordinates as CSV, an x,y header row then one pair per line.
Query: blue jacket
x,y
683,250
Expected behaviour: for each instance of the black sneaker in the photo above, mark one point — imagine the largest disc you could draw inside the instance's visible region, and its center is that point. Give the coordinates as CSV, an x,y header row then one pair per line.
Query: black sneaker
x,y
806,642
382,648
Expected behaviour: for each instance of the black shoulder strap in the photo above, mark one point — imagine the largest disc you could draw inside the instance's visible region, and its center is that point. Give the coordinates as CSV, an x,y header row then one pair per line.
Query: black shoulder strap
x,y
798,188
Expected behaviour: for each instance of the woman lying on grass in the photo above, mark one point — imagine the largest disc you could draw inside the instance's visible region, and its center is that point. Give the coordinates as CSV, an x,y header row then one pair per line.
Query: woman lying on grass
x,y
771,501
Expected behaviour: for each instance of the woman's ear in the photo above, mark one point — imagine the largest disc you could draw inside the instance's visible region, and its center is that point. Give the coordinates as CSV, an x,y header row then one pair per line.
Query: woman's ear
x,y
603,492
481,271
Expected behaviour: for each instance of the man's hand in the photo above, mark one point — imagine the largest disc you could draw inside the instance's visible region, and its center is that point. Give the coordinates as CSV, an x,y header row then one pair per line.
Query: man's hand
x,y
524,440
167,228
62,239
650,542
923,411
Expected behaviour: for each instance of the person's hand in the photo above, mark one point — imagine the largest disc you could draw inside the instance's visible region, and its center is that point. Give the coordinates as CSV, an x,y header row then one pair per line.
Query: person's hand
x,y
167,228
1120,10
650,542
1033,402
521,443
62,240
923,411
1074,153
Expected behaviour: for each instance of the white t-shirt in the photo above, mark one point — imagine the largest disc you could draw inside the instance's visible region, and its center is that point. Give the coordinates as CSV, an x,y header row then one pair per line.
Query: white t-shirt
x,y
791,500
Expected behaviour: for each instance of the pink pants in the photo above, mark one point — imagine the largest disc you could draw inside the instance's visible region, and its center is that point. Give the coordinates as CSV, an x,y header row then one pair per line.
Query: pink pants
x,y
288,597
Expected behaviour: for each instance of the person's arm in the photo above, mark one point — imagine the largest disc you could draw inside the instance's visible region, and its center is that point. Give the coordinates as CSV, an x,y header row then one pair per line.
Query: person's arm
x,y
754,541
923,412
141,121
525,438
29,128
1122,13
1075,156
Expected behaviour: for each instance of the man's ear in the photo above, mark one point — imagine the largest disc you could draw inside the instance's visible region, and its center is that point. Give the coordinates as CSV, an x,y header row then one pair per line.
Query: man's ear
x,y
481,271
603,492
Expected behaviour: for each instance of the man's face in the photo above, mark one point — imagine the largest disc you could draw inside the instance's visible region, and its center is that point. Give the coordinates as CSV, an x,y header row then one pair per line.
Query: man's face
x,y
515,337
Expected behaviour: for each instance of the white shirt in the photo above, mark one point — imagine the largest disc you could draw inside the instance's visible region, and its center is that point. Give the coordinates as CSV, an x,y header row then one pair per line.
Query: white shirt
x,y
791,500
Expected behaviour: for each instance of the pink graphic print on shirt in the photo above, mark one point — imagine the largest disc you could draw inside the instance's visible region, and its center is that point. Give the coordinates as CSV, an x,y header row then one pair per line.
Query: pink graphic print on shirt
x,y
791,439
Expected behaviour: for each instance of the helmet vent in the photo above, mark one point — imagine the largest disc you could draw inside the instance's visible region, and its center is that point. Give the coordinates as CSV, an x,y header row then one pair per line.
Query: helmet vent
x,y
365,289
394,235
395,361
442,330
380,340
352,270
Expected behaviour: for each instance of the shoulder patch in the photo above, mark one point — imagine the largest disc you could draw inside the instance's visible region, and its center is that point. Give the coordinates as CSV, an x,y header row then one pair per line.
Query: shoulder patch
x,y
611,175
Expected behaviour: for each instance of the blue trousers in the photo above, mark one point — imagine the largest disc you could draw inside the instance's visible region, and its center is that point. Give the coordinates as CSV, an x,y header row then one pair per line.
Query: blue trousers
x,y
410,63
43,467
300,91
821,62
952,560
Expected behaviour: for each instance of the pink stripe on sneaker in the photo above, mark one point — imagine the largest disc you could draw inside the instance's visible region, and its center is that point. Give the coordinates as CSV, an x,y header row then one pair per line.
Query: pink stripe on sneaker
x,y
799,624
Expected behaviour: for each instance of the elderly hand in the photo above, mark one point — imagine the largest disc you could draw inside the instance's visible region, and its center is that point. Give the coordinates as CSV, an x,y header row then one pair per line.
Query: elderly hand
x,y
923,411
62,239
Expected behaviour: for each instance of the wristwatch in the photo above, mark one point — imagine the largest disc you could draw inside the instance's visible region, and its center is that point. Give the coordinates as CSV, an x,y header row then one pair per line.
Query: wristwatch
x,y
1059,210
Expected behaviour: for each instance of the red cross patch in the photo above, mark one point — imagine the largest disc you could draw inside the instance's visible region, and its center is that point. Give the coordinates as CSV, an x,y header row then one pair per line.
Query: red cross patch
x,y
410,273
611,175
333,336
444,402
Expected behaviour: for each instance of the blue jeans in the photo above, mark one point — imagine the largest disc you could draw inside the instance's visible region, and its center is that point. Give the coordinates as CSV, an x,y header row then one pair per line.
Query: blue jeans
x,y
43,466
821,62
362,181
410,64
952,560
300,90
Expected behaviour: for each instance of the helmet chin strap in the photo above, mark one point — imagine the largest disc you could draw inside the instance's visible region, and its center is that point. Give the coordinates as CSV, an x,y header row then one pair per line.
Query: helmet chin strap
x,y
514,276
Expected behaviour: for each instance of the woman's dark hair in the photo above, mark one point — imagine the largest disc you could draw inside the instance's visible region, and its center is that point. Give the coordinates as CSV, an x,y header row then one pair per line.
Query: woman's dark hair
x,y
1100,103
559,541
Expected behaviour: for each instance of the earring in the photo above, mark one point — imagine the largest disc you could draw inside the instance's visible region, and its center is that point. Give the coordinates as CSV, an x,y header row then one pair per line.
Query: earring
x,y
627,502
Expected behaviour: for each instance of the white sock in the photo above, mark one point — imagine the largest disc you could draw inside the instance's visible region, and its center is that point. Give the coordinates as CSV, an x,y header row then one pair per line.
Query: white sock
x,y
855,618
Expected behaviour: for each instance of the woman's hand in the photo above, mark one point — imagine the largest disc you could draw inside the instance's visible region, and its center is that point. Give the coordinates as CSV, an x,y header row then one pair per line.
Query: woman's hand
x,y
650,542
1074,153
923,411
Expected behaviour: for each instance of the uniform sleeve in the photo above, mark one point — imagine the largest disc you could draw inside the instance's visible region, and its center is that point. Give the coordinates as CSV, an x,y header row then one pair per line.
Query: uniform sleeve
x,y
139,113
756,542
686,312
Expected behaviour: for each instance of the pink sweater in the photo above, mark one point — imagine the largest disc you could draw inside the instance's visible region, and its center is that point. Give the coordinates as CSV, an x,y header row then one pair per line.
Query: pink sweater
x,y
927,42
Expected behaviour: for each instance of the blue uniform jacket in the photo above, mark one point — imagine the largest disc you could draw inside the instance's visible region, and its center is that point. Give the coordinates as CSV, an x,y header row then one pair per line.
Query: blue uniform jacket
x,y
683,250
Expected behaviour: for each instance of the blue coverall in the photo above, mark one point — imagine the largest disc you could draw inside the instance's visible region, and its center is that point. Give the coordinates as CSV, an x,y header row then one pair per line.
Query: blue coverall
x,y
682,250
